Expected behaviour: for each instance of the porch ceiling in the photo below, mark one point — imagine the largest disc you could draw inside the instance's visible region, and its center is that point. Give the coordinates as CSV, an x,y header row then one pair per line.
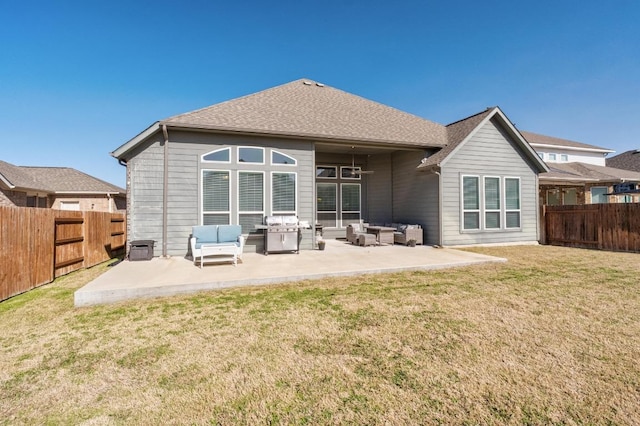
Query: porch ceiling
x,y
360,149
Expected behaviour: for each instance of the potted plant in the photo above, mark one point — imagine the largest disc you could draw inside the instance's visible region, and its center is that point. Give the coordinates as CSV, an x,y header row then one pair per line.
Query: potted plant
x,y
321,244
411,243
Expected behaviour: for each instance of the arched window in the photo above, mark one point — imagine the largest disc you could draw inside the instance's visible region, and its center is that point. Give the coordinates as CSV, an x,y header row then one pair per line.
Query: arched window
x,y
218,156
280,158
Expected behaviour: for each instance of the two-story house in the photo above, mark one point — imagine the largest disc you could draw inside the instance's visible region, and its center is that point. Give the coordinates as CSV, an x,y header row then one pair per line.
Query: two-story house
x,y
580,174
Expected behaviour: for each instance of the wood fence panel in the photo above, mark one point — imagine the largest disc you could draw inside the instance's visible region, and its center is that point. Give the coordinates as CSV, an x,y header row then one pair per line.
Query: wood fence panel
x,y
614,227
70,242
38,245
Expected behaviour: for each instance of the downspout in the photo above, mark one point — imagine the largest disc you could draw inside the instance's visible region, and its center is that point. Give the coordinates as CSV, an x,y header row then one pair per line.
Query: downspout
x,y
439,207
165,190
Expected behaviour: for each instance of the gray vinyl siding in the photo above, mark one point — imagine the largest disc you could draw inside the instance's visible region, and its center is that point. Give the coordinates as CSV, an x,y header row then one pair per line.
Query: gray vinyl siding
x,y
415,195
184,193
144,213
490,152
379,189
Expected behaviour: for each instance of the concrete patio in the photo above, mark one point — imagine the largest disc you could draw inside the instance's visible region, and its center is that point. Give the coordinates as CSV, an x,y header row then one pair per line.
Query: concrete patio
x,y
176,275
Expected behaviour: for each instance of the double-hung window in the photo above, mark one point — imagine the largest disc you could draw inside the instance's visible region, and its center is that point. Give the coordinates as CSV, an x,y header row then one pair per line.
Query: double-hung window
x,y
250,199
215,197
350,206
283,193
490,203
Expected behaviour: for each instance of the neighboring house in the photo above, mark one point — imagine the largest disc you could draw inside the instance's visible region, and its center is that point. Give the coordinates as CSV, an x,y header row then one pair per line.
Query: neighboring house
x,y
59,188
628,160
332,158
581,174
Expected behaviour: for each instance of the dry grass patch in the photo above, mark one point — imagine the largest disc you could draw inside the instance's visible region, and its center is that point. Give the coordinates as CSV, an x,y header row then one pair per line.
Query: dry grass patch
x,y
552,336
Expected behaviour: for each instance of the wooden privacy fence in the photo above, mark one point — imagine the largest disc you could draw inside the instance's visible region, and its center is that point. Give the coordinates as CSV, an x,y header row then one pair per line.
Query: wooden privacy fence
x,y
614,227
39,245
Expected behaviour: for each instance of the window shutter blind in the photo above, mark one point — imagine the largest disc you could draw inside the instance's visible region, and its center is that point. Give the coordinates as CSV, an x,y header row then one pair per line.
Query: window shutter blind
x,y
470,193
251,190
284,192
215,191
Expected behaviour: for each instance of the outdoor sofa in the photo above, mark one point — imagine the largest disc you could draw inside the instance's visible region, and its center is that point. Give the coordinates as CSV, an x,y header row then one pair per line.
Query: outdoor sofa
x,y
216,243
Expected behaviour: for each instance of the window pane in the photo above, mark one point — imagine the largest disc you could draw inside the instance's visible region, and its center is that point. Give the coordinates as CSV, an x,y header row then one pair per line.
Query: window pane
x,y
326,172
328,220
248,221
221,155
597,194
284,192
470,193
279,158
250,192
350,172
472,220
326,197
513,219
350,218
512,191
215,219
251,155
553,197
570,197
215,191
492,193
351,197
492,220
552,157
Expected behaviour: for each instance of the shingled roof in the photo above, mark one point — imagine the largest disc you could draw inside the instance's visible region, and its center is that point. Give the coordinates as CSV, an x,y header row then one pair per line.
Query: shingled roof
x,y
588,173
628,160
538,139
304,108
456,133
54,180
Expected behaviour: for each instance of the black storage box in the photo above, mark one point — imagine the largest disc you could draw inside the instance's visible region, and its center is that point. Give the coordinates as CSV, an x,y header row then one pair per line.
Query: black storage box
x,y
141,250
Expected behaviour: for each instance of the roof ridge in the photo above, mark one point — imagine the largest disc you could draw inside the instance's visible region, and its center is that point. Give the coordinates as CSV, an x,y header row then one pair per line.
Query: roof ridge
x,y
473,115
233,99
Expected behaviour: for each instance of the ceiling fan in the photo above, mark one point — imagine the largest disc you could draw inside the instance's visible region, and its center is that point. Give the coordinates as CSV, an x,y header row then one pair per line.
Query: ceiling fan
x,y
356,172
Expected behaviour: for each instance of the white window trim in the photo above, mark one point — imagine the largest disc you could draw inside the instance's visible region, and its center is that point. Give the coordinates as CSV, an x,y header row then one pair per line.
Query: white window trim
x,y
482,205
250,147
279,212
264,194
201,185
274,151
327,167
335,212
214,161
552,156
504,197
342,211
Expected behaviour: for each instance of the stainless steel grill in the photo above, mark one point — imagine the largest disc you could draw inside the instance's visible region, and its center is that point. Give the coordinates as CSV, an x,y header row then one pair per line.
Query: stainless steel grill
x,y
281,234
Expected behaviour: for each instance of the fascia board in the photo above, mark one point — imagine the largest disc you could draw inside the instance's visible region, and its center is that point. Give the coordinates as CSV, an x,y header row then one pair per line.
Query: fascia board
x,y
571,148
6,182
123,149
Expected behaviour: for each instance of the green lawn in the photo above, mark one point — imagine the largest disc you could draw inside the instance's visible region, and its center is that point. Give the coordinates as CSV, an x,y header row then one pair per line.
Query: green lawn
x,y
550,337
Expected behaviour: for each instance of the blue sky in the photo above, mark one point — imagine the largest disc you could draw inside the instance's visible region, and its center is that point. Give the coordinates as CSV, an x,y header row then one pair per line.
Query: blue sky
x,y
80,78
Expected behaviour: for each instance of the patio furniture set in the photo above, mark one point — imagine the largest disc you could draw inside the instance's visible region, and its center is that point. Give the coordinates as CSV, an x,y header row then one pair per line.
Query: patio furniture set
x,y
225,243
364,234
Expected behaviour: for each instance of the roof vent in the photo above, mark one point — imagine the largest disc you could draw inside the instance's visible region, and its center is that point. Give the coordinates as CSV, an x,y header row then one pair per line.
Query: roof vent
x,y
319,84
306,83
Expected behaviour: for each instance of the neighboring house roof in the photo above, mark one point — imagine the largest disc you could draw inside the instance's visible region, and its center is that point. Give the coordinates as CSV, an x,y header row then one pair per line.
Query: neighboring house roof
x,y
584,172
17,177
536,139
460,131
61,180
307,109
628,160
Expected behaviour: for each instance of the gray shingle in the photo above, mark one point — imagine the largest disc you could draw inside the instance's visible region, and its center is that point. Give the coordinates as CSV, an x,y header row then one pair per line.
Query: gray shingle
x,y
535,138
628,160
308,109
55,179
587,172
